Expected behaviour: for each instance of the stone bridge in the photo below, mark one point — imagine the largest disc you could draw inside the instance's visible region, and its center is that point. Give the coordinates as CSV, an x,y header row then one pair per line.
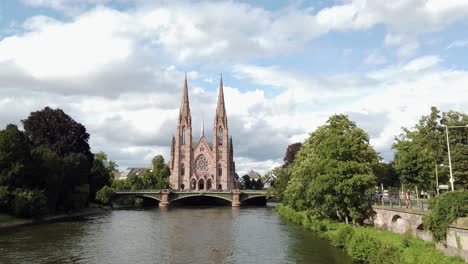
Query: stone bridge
x,y
166,197
401,220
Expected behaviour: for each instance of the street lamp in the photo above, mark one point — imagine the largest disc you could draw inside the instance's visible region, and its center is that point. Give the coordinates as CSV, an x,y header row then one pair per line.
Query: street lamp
x,y
448,150
437,178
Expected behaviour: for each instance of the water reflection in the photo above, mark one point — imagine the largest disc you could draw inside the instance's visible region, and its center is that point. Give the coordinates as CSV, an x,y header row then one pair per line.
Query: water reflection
x,y
175,235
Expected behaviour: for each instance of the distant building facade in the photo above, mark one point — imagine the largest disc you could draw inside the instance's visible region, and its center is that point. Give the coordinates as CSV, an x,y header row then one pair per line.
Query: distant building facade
x,y
122,175
203,165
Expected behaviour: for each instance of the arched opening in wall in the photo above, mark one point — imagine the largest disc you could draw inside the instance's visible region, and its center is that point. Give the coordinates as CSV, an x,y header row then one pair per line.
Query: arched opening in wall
x,y
182,186
220,136
208,184
420,227
201,184
193,184
182,169
135,201
201,201
220,170
395,218
220,187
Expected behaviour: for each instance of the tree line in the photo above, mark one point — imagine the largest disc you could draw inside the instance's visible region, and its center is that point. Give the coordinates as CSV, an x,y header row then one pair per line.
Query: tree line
x,y
48,167
335,171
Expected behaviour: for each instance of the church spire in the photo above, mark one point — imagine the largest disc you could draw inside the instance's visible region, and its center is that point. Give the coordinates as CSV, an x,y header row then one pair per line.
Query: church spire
x,y
221,109
184,106
202,132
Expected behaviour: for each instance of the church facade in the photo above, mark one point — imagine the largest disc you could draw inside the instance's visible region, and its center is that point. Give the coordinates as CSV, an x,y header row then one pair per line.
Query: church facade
x,y
202,166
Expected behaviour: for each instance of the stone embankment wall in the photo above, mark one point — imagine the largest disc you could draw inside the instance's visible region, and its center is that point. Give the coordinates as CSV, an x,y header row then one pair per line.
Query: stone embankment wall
x,y
400,220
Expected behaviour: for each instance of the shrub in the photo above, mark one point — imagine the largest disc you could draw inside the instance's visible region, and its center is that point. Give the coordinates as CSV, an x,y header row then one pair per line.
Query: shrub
x,y
445,209
29,203
104,194
362,246
342,235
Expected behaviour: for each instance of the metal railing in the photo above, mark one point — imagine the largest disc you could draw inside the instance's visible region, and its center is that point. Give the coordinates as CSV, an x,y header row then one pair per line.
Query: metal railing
x,y
419,205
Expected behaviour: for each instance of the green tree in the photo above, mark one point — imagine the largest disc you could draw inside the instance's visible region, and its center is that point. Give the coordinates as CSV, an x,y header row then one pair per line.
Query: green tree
x,y
247,182
386,174
29,203
102,173
104,194
14,157
291,152
332,172
56,130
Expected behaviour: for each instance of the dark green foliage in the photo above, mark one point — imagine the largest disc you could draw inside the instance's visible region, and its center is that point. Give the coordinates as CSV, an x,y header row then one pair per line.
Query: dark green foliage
x,y
386,174
104,194
29,203
101,173
54,129
445,209
282,175
14,156
247,183
342,235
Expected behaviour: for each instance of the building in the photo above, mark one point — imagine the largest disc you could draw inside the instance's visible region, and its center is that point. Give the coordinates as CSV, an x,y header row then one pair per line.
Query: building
x,y
202,166
122,175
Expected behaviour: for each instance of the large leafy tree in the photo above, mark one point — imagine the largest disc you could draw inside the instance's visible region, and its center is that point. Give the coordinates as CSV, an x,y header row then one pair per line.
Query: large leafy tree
x,y
14,157
291,152
54,129
422,148
102,173
332,173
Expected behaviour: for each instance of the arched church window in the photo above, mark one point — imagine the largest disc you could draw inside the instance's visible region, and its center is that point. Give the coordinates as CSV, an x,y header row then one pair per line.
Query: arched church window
x,y
220,136
182,170
183,136
220,170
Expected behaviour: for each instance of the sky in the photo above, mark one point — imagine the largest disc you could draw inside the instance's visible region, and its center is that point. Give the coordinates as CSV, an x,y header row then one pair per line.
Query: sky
x,y
118,68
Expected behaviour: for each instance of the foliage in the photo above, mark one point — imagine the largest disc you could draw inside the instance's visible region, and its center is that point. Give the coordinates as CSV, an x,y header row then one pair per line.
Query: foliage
x,y
332,172
56,130
291,152
246,182
14,155
154,178
421,149
102,173
369,245
386,174
29,203
445,209
282,176
104,194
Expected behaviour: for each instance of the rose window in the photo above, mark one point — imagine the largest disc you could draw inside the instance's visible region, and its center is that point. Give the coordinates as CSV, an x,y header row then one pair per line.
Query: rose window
x,y
201,163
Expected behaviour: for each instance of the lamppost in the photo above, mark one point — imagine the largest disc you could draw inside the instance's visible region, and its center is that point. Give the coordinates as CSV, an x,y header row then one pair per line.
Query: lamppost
x,y
448,150
437,178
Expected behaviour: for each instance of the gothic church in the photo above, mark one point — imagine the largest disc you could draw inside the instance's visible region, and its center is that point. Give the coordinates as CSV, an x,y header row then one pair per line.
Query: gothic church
x,y
203,166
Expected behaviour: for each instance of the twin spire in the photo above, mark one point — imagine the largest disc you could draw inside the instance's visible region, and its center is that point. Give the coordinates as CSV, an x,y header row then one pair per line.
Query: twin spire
x,y
220,108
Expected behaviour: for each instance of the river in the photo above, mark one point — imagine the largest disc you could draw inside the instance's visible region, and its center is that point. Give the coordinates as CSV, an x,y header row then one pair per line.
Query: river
x,y
176,235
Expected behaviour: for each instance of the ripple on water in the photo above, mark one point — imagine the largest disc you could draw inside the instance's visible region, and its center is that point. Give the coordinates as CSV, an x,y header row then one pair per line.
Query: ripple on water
x,y
177,235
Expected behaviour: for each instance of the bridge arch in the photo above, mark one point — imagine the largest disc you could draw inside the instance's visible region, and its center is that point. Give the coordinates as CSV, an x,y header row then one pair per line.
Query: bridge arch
x,y
399,224
201,200
147,199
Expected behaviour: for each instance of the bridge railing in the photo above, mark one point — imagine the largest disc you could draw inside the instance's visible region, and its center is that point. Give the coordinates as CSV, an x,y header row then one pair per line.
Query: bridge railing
x,y
140,191
420,205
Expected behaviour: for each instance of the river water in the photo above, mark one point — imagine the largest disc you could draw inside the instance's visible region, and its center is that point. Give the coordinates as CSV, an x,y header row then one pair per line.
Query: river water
x,y
176,235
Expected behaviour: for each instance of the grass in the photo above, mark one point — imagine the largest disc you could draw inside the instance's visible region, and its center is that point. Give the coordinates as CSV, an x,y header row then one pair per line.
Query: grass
x,y
370,245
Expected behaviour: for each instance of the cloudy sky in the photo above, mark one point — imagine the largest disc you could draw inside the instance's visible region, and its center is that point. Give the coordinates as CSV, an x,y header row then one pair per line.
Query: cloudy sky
x,y
117,67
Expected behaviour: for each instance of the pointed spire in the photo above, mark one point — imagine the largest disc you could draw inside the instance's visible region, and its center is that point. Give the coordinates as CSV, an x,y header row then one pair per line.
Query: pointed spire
x,y
221,109
184,106
202,132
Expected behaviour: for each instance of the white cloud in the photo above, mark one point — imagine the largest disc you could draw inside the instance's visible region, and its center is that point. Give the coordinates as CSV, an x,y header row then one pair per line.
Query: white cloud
x,y
375,59
458,44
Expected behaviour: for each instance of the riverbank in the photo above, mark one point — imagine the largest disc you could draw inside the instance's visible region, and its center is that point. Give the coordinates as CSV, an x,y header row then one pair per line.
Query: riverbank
x,y
370,245
9,221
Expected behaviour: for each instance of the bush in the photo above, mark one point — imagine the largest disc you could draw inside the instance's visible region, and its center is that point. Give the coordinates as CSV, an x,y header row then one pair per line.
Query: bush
x,y
342,235
29,203
445,209
362,246
104,194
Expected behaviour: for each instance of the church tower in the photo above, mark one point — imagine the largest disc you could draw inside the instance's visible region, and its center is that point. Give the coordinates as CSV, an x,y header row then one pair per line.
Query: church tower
x,y
202,166
182,145
221,144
